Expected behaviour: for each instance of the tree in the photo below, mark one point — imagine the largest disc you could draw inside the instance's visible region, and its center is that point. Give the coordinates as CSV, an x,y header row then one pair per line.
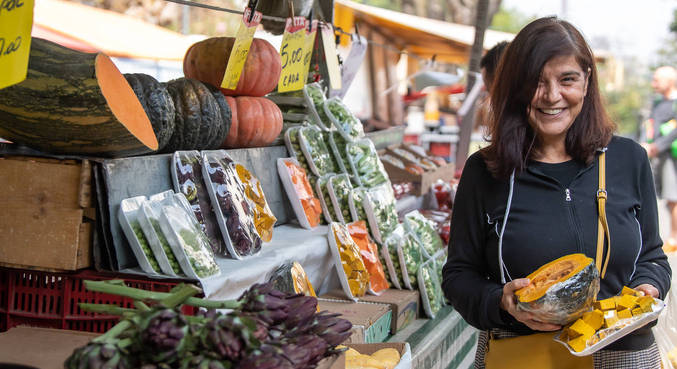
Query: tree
x,y
510,20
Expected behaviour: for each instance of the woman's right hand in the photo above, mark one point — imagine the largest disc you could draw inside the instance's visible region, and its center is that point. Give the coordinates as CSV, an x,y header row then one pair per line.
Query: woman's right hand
x,y
509,304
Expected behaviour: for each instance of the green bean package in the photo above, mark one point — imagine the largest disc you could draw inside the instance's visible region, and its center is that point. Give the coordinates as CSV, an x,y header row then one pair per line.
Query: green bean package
x,y
149,220
381,212
129,221
410,253
233,211
339,188
189,243
356,204
291,140
365,164
343,119
325,200
430,287
315,101
188,180
316,151
391,258
337,144
335,155
424,231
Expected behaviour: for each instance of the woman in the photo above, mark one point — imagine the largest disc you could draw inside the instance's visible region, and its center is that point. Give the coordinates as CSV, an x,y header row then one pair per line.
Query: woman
x,y
532,195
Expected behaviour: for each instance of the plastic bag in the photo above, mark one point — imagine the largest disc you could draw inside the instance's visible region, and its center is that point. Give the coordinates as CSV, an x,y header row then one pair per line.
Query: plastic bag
x,y
149,219
355,202
410,253
291,140
337,144
370,257
188,242
188,180
234,212
381,212
291,278
339,188
306,206
315,101
352,273
129,221
392,259
316,151
325,200
264,219
430,285
343,119
365,164
424,231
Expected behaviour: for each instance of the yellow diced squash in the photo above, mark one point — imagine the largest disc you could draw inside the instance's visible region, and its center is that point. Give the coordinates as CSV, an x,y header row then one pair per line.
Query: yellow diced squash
x,y
606,304
629,291
637,311
624,314
581,328
626,302
594,319
578,344
610,318
645,303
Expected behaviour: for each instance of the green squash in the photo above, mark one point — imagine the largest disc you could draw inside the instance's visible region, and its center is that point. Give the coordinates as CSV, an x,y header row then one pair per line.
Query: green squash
x,y
157,103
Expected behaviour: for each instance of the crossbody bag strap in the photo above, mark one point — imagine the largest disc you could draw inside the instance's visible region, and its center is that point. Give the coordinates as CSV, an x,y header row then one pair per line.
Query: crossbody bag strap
x,y
602,225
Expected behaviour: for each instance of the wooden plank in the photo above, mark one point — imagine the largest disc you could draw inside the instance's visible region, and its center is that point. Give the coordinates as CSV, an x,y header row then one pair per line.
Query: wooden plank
x,y
395,105
379,82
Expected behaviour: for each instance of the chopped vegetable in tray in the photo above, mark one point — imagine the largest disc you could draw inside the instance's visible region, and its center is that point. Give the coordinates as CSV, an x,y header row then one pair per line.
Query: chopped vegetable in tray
x,y
316,151
369,252
312,209
352,265
264,220
343,119
365,163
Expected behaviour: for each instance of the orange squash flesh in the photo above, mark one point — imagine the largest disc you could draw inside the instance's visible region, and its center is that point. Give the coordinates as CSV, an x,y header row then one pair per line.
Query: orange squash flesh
x,y
551,273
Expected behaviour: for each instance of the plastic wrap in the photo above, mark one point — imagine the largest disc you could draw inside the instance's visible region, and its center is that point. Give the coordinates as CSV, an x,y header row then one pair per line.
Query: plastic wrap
x,y
365,164
129,221
410,254
391,258
316,151
325,200
188,180
306,206
442,221
370,256
430,287
264,219
337,144
149,220
233,211
381,211
315,101
343,119
291,140
352,273
290,278
424,231
355,202
339,188
188,243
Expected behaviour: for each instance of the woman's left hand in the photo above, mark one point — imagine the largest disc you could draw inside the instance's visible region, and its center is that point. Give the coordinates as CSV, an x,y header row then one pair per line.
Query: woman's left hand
x,y
648,290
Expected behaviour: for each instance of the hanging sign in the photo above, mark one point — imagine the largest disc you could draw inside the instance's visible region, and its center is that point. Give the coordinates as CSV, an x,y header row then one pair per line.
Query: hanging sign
x,y
292,55
16,22
351,64
311,31
240,50
331,57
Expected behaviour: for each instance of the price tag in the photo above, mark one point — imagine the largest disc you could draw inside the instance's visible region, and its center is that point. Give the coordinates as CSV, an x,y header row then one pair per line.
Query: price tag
x,y
16,21
329,43
292,55
240,50
311,31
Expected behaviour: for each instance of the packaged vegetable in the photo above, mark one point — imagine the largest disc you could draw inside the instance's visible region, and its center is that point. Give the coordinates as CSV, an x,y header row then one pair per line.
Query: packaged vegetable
x,y
442,221
356,203
291,278
381,212
233,212
188,243
316,151
291,140
337,144
349,265
430,287
315,99
343,119
325,200
365,164
149,220
128,217
188,180
339,188
370,257
410,253
264,219
306,206
391,258
424,231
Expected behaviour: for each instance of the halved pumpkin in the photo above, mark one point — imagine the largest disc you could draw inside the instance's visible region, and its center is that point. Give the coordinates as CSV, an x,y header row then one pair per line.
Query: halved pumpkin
x,y
561,290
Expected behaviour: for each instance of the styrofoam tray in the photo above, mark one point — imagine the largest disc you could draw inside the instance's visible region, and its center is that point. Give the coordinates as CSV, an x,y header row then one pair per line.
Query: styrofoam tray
x,y
291,191
128,214
641,321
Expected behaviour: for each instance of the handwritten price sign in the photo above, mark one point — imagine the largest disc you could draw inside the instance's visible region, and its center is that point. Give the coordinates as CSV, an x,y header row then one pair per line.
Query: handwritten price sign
x,y
292,55
311,31
16,21
240,51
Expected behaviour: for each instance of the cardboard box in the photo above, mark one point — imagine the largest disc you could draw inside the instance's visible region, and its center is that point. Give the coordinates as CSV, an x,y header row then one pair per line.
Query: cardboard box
x,y
371,322
401,347
333,362
42,348
422,182
404,305
49,213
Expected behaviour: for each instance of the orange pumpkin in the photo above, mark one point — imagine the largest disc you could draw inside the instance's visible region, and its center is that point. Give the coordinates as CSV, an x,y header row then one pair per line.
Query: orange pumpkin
x,y
206,61
256,121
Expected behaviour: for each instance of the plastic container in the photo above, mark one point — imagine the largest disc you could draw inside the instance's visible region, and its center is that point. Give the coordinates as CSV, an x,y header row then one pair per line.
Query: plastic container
x,y
430,287
339,188
188,180
365,164
379,205
355,202
392,259
316,151
352,273
370,257
233,210
337,145
264,219
325,200
315,99
306,206
343,119
291,278
291,141
424,231
129,222
410,254
149,219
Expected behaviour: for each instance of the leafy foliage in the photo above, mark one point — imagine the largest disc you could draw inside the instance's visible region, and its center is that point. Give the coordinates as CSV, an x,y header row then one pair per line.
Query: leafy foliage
x,y
510,20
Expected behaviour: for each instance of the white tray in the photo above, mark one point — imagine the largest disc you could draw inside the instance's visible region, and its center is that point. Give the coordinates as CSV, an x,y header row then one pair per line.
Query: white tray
x,y
640,321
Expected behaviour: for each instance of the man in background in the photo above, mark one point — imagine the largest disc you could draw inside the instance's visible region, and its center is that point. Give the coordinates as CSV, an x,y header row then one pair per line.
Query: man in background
x,y
658,135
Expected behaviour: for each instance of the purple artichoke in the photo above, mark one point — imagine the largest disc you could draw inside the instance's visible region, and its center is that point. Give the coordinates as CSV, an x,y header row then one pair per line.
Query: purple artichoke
x,y
98,356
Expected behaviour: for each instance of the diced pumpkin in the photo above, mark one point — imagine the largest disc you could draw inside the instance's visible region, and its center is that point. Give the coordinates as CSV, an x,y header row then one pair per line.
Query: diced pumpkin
x,y
646,303
610,318
637,311
594,319
624,314
606,304
626,302
580,328
578,344
629,291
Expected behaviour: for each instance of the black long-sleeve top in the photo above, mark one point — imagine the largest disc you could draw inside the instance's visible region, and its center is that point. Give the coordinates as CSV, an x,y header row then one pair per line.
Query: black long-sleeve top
x,y
548,220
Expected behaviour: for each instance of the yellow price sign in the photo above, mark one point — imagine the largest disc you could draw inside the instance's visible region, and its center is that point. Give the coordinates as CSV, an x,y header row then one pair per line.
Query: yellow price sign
x,y
311,31
16,21
292,55
240,50
331,56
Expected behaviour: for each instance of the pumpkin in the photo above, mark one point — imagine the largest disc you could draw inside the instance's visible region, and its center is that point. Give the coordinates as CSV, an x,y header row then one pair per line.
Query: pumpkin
x,y
198,117
561,290
74,103
226,115
207,60
157,103
256,121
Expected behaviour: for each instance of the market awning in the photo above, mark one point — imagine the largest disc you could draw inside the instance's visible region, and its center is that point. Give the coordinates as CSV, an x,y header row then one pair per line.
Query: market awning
x,y
425,37
89,29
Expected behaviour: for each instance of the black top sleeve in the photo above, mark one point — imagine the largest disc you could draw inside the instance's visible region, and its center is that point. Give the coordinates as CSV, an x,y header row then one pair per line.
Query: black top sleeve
x,y
465,277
